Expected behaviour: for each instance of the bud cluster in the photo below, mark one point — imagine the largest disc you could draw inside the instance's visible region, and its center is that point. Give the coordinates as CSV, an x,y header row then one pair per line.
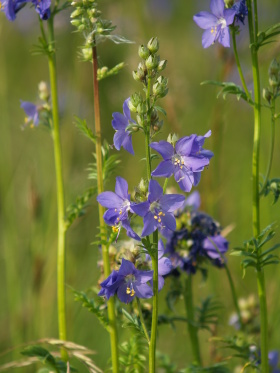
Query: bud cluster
x,y
270,93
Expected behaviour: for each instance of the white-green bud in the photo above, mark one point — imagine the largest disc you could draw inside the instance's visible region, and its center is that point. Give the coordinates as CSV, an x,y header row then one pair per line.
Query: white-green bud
x,y
162,65
143,52
151,62
153,45
77,12
143,186
273,73
44,92
75,22
172,138
267,95
142,108
132,107
87,54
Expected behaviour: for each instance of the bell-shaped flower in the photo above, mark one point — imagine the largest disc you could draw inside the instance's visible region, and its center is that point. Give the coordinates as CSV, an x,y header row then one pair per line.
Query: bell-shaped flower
x,y
31,111
120,123
158,210
215,24
118,205
127,283
185,161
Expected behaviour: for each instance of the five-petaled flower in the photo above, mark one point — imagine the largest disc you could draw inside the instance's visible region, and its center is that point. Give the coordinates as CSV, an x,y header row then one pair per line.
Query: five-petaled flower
x,y
215,24
186,160
127,282
11,7
118,205
158,210
32,112
120,123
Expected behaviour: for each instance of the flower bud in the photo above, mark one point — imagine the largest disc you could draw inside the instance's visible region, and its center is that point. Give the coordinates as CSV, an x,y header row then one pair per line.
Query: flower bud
x,y
44,93
273,73
75,22
153,45
143,52
143,186
157,125
160,87
172,138
142,108
136,76
152,62
267,95
132,107
135,99
87,53
162,65
140,120
77,12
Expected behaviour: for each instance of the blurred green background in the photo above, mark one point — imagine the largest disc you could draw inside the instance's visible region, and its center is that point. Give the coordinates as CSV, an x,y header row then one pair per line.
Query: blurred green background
x,y
27,183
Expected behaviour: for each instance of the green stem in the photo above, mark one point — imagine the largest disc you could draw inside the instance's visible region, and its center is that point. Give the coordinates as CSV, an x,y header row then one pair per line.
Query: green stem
x,y
60,189
188,297
272,140
239,66
165,185
152,346
142,320
105,249
255,174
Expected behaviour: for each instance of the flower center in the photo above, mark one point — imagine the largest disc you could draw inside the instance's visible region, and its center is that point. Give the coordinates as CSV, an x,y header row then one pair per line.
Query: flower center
x,y
129,280
177,160
222,22
154,206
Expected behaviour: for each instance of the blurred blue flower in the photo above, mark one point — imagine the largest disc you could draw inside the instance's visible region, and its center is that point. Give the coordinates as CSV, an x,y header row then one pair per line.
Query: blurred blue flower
x,y
215,24
119,206
128,282
32,112
186,161
120,122
273,358
11,7
43,8
241,10
158,210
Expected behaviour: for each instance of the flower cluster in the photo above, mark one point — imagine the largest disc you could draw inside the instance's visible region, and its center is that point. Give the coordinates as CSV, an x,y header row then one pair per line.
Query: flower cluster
x,y
216,24
196,240
12,7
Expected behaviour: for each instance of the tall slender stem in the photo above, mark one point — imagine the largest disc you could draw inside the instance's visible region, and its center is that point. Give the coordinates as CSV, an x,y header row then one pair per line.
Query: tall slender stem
x,y
105,249
234,297
253,30
142,320
239,66
152,347
60,190
188,297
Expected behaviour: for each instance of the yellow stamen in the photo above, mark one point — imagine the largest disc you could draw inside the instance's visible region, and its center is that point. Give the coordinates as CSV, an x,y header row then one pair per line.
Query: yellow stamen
x,y
160,213
128,291
155,217
115,229
159,220
132,293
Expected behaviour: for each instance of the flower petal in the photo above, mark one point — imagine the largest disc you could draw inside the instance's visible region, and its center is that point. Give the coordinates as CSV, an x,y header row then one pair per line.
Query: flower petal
x,y
184,145
121,187
229,15
109,200
143,276
193,200
164,148
196,163
150,224
164,266
119,121
126,110
217,7
171,202
205,20
169,221
129,231
140,209
184,179
118,138
155,191
127,143
164,169
208,38
122,295
126,268
224,37
143,291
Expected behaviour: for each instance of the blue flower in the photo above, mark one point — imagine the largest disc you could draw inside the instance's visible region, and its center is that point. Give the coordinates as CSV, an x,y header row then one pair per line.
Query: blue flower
x,y
273,357
119,206
11,7
32,112
164,265
215,247
215,24
128,282
120,122
185,161
43,8
157,211
241,10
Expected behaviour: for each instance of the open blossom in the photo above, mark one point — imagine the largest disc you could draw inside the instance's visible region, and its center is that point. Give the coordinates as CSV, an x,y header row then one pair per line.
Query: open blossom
x,y
215,24
11,7
120,122
128,283
31,111
158,210
118,205
185,161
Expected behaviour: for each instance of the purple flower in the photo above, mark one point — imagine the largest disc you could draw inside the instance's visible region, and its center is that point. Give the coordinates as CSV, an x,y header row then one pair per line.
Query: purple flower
x,y
157,211
43,8
128,282
164,265
185,161
241,10
32,112
215,24
11,7
215,247
118,205
120,123
273,357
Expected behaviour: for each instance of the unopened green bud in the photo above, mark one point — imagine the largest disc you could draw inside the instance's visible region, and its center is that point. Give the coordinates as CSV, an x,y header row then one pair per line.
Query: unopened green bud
x,y
142,108
137,76
132,107
172,138
44,92
153,45
160,87
143,186
154,115
75,22
273,73
140,120
273,67
87,54
162,65
77,12
152,62
267,95
143,52
157,125
229,3
135,99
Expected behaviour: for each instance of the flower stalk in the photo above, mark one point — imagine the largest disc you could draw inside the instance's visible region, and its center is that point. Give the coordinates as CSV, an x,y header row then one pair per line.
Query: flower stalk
x,y
59,188
105,248
188,297
253,31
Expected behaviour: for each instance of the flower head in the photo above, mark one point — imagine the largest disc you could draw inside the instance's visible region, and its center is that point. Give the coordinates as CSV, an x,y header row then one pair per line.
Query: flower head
x,y
157,211
241,10
118,205
128,282
43,8
185,161
32,112
215,24
120,122
11,7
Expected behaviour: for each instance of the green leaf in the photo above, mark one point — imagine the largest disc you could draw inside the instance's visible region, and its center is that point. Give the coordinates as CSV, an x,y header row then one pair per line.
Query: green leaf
x,y
81,124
